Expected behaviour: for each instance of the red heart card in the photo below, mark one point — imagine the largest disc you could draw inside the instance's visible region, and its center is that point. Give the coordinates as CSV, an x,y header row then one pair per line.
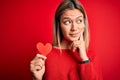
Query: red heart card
x,y
44,49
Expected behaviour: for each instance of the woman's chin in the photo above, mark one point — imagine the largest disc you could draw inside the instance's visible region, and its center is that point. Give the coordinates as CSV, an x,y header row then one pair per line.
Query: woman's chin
x,y
71,39
74,39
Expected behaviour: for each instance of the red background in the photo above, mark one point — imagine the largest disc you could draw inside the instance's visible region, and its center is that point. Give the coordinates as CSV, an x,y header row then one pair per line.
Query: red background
x,y
24,23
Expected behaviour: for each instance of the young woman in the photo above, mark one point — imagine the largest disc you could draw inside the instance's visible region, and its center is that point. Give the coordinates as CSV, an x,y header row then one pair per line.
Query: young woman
x,y
70,58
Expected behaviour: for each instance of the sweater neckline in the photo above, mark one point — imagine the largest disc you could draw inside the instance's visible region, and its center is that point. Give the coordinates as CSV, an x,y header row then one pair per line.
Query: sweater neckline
x,y
60,49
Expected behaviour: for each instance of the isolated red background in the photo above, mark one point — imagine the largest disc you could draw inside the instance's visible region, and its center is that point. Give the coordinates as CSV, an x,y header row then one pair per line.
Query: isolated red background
x,y
25,22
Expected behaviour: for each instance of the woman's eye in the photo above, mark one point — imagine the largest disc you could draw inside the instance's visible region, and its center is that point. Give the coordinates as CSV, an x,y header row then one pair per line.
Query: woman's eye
x,y
79,21
67,22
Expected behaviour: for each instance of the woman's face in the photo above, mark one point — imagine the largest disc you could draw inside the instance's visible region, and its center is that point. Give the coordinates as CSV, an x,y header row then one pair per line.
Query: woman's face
x,y
72,24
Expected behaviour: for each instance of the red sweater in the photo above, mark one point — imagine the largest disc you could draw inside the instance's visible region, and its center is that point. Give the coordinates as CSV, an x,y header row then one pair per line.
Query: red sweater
x,y
67,66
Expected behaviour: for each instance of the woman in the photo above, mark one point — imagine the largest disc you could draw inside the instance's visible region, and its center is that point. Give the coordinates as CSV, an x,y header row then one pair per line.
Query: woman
x,y
70,58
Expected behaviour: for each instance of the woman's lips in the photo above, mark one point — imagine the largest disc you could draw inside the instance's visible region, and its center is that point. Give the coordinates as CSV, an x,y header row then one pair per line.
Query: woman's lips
x,y
74,34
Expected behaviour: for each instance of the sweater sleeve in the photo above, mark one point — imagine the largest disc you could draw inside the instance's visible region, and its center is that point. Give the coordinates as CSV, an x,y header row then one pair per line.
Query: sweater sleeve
x,y
91,70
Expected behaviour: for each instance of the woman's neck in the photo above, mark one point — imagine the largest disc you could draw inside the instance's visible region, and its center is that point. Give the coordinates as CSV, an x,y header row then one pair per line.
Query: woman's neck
x,y
65,44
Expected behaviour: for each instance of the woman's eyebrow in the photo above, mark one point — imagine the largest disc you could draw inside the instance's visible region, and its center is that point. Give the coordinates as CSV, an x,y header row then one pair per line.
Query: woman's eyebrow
x,y
80,16
66,17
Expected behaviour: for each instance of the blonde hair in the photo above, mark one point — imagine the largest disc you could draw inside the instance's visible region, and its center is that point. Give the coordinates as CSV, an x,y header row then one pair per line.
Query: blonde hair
x,y
69,4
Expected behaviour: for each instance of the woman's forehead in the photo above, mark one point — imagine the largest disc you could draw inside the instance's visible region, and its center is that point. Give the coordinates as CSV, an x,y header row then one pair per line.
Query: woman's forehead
x,y
72,13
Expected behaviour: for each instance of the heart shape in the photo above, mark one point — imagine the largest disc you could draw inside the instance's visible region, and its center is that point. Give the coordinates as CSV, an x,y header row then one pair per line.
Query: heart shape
x,y
44,49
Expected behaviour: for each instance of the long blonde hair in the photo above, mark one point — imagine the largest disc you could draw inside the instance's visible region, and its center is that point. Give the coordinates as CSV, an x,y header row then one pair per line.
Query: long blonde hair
x,y
69,4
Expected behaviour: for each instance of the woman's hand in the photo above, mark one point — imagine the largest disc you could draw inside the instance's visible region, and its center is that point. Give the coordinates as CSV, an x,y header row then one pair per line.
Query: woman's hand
x,y
37,66
80,45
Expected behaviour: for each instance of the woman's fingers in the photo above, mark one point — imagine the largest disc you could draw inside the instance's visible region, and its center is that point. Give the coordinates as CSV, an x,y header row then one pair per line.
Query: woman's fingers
x,y
75,45
78,43
81,35
35,68
74,49
37,63
40,56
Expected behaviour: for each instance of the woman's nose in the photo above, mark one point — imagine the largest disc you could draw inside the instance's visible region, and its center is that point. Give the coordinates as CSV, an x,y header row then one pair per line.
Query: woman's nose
x,y
74,27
